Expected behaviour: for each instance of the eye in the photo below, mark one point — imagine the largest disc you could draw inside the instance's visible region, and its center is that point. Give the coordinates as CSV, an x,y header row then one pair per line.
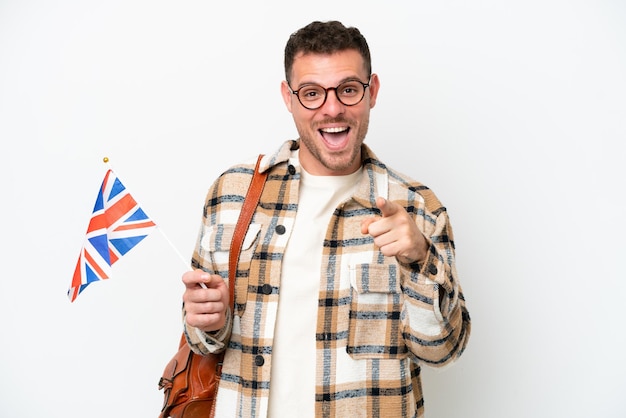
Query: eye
x,y
350,89
311,93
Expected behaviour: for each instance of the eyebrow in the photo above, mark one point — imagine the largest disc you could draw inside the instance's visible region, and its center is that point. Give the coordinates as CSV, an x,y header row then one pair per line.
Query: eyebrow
x,y
345,80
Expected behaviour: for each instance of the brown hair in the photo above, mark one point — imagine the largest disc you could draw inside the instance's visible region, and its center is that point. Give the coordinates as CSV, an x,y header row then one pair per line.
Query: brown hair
x,y
326,38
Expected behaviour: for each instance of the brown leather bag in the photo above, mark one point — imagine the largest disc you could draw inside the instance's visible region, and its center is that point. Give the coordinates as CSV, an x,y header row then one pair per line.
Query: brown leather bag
x,y
190,383
190,380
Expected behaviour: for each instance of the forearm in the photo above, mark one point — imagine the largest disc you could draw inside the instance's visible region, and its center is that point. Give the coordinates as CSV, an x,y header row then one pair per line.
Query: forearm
x,y
436,323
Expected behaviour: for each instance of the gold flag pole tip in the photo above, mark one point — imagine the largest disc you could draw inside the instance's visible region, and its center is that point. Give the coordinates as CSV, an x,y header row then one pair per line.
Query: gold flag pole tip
x,y
105,159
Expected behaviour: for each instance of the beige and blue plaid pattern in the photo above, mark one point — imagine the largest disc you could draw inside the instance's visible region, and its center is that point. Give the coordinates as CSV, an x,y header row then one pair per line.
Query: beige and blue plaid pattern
x,y
378,319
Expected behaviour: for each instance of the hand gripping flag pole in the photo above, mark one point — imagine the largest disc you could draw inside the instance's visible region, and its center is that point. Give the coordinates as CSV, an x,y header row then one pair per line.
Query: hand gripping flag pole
x,y
118,223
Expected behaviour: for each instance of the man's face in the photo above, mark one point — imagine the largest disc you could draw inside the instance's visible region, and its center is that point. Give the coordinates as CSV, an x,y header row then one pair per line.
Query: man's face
x,y
330,136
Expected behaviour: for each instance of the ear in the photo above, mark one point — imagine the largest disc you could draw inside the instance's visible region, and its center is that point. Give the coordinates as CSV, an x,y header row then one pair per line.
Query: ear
x,y
373,88
287,95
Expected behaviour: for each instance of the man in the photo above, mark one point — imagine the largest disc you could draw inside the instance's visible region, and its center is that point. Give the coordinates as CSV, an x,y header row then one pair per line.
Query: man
x,y
347,281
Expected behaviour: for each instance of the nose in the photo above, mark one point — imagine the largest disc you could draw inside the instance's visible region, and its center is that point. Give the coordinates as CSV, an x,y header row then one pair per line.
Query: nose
x,y
332,106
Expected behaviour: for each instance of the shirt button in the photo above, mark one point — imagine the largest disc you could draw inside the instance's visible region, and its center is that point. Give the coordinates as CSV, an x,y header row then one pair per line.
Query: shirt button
x,y
291,169
432,269
266,289
280,229
259,360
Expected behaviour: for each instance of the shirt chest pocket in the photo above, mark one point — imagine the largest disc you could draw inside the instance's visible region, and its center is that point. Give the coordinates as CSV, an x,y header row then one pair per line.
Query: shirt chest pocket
x,y
375,329
216,242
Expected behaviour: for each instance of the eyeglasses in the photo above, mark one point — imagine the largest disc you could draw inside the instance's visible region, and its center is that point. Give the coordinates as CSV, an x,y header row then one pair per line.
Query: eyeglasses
x,y
313,96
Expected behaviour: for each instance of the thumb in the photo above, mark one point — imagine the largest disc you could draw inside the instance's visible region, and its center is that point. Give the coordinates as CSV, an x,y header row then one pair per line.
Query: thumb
x,y
386,207
365,224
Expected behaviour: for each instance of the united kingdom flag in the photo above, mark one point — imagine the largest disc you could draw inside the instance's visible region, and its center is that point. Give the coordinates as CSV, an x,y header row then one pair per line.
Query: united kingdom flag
x,y
117,225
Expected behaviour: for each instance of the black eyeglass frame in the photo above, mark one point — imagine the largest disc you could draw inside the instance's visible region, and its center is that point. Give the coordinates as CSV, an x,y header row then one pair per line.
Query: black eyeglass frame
x,y
326,89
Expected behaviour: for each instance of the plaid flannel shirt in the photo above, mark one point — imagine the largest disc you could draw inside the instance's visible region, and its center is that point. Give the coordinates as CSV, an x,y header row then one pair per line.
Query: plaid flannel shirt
x,y
377,319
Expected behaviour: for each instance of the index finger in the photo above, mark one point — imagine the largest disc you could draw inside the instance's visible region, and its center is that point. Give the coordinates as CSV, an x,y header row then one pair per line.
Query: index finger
x,y
196,278
387,207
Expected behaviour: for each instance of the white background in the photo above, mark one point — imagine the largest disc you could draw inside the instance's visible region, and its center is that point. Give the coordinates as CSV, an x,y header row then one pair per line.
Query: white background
x,y
512,111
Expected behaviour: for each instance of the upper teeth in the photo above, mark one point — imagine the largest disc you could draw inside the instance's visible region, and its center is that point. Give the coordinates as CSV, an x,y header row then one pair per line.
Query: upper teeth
x,y
334,130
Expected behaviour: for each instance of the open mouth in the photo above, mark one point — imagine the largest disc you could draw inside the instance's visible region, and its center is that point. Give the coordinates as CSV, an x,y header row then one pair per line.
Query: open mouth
x,y
335,137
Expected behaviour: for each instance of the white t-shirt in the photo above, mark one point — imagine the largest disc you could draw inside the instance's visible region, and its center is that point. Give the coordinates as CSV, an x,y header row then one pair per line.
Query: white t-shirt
x,y
292,387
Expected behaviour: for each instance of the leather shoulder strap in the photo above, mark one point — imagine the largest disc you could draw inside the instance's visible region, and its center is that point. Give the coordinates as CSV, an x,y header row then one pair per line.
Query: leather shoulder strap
x,y
245,216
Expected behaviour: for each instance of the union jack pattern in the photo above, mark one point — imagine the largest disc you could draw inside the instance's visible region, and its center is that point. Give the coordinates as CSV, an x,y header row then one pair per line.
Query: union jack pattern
x,y
117,224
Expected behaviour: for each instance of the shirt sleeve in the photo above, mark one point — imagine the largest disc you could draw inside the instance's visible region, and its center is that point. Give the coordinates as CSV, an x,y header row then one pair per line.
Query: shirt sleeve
x,y
435,319
202,342
203,258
